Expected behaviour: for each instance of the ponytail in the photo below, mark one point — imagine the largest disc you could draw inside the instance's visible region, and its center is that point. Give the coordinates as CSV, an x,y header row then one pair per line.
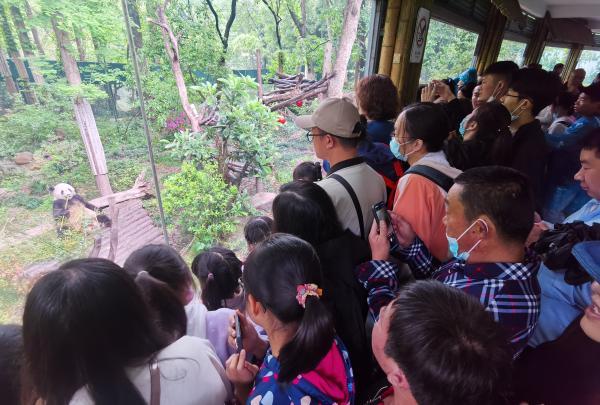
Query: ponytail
x,y
168,311
219,271
272,275
310,343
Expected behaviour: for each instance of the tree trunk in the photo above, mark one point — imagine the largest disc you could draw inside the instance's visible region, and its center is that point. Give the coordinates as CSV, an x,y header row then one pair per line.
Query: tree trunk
x,y
172,49
79,42
34,31
351,17
11,87
328,49
13,52
136,26
84,115
26,44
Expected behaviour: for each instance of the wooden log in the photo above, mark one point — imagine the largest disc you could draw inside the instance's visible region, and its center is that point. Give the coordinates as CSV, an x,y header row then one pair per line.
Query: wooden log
x,y
137,192
114,229
96,248
303,96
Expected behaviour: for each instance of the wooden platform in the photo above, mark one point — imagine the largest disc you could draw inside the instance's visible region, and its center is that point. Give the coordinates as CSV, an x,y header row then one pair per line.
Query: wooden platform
x,y
135,229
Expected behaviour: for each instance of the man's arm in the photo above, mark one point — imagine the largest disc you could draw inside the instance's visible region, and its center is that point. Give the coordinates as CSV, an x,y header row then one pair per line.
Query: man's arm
x,y
381,280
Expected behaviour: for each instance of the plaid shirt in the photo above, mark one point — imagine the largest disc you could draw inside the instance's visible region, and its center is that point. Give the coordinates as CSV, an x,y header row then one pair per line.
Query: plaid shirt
x,y
509,291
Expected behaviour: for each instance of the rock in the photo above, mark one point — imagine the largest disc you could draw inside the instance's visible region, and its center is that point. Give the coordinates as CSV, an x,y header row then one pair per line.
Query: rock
x,y
23,158
263,201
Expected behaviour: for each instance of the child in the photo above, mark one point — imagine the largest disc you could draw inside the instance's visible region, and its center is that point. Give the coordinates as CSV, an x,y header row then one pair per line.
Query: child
x,y
219,272
306,362
308,171
256,230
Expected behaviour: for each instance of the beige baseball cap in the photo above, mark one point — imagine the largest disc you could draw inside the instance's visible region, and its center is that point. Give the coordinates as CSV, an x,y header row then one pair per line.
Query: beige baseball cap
x,y
336,116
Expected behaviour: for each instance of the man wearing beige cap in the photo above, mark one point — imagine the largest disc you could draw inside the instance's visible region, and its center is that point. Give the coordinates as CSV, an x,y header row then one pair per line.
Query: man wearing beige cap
x,y
335,129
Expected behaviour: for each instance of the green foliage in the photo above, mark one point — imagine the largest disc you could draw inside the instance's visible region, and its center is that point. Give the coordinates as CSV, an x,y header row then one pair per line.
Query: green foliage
x,y
449,51
202,203
553,55
244,129
66,163
28,126
590,61
512,50
162,99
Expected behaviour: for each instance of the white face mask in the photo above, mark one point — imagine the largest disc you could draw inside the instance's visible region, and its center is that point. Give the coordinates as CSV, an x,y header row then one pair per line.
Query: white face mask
x,y
513,116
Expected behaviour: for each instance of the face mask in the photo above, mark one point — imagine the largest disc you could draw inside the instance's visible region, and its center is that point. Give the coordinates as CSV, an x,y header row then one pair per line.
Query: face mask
x,y
395,148
453,243
513,116
461,129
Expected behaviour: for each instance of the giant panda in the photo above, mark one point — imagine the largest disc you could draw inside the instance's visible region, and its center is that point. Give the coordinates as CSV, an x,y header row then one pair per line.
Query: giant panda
x,y
71,211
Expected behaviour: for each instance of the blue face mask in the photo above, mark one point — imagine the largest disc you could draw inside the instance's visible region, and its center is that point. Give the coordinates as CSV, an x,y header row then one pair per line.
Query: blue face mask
x,y
461,128
395,148
453,243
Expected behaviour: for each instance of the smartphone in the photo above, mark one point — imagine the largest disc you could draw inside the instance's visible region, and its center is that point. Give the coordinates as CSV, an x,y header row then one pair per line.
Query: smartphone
x,y
381,214
238,334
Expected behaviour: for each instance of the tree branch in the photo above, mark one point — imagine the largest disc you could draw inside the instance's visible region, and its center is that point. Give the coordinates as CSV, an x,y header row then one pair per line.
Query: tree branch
x,y
230,22
214,13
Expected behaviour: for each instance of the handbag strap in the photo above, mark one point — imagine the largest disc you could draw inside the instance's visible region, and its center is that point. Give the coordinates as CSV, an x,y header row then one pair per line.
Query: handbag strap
x,y
355,201
154,382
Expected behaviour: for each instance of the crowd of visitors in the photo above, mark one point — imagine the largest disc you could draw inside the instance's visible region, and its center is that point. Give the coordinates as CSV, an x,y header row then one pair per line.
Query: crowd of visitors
x,y
444,253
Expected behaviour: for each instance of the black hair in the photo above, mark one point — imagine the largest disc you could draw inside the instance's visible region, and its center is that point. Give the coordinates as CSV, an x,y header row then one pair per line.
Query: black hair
x,y
169,313
308,171
593,92
492,144
428,122
566,100
501,193
272,273
539,86
163,263
592,141
449,348
467,90
505,69
11,363
304,209
219,271
82,325
258,229
493,120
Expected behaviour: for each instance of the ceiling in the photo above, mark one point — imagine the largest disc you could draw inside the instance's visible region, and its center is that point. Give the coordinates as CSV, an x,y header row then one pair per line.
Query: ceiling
x,y
587,9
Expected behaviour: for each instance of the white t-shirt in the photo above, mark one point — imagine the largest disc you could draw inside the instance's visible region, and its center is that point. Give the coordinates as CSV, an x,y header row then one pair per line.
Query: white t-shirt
x,y
190,374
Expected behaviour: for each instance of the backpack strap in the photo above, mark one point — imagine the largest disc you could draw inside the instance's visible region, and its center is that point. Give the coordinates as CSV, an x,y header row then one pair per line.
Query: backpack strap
x,y
432,174
355,201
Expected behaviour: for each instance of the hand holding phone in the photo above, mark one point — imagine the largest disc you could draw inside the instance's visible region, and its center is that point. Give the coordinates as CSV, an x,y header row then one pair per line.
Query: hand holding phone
x,y
238,334
381,214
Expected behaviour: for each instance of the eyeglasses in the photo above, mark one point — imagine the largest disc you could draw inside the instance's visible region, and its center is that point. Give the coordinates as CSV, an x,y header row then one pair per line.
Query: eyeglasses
x,y
310,136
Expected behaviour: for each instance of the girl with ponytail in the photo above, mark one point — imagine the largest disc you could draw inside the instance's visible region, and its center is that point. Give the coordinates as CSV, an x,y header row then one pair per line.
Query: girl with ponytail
x,y
305,363
219,272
